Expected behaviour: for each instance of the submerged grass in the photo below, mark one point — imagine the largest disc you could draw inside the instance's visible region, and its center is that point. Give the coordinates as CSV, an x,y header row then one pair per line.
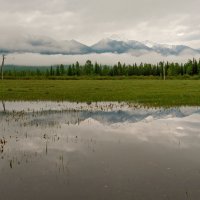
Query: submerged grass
x,y
146,92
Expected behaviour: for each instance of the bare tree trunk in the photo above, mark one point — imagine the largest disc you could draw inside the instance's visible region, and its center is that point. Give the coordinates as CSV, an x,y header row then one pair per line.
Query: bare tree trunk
x,y
2,65
164,73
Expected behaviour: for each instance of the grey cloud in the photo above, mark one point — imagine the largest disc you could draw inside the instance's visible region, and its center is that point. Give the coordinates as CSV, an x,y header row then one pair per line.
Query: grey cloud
x,y
190,35
89,20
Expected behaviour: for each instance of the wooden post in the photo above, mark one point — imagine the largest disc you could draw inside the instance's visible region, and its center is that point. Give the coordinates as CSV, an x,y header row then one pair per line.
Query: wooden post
x,y
4,106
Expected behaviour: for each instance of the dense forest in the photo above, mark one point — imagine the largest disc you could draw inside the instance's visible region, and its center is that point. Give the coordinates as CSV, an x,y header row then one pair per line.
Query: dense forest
x,y
191,68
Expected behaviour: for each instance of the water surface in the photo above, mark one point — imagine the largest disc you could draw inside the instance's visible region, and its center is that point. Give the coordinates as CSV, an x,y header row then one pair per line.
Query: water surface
x,y
98,151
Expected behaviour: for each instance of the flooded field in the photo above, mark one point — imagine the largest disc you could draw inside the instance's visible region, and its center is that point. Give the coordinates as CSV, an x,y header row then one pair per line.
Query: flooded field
x,y
98,151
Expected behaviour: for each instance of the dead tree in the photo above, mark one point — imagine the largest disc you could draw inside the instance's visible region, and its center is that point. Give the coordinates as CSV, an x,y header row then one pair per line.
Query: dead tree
x,y
164,73
2,65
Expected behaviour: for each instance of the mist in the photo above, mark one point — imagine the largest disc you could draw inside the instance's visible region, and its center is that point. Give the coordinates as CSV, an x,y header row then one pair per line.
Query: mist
x,y
30,59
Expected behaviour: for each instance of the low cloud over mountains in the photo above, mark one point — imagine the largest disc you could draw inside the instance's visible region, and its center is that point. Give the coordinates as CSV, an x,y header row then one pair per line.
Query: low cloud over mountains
x,y
48,46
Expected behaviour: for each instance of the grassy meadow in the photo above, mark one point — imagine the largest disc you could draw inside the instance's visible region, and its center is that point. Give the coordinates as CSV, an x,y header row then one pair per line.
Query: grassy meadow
x,y
146,92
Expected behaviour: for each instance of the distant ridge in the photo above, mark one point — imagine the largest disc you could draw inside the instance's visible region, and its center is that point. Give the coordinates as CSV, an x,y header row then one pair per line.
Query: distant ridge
x,y
48,46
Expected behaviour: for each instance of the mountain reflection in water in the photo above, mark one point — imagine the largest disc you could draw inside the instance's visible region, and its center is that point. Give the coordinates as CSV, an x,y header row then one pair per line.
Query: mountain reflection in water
x,y
74,151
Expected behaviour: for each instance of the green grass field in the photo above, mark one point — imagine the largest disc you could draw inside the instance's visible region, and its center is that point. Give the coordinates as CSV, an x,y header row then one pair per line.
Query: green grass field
x,y
146,92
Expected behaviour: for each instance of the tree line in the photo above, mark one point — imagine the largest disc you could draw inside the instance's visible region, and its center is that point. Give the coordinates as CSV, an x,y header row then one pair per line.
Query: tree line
x,y
191,67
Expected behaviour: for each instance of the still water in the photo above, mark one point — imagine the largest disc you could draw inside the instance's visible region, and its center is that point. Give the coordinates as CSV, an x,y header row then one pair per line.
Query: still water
x,y
99,151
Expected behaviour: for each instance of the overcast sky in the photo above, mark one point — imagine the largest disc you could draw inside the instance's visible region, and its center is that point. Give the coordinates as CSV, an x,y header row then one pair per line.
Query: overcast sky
x,y
164,21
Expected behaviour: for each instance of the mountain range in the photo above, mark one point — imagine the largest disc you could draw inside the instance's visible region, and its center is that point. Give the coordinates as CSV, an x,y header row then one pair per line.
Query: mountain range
x,y
72,47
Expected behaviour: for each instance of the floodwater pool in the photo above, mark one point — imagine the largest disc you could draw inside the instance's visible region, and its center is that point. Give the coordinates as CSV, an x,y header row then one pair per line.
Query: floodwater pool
x,y
76,151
